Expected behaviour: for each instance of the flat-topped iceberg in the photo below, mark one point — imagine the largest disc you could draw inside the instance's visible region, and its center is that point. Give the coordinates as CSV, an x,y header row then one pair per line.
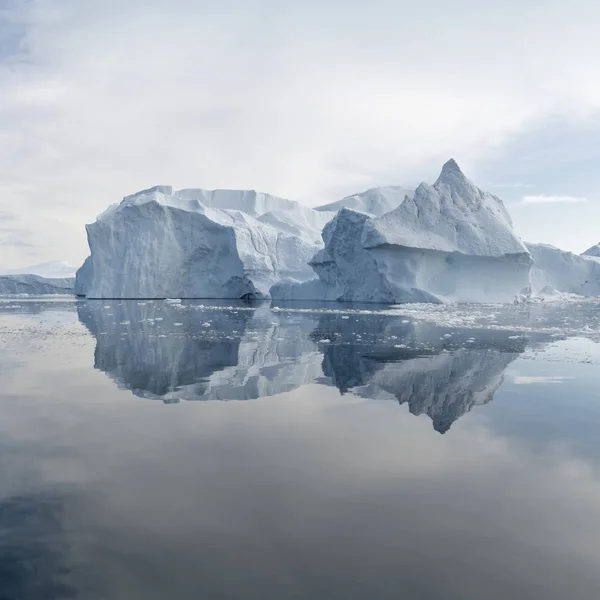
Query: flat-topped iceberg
x,y
34,285
161,243
449,241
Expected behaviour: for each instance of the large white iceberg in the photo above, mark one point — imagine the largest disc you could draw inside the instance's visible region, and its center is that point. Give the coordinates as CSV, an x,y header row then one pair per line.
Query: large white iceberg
x,y
449,241
191,243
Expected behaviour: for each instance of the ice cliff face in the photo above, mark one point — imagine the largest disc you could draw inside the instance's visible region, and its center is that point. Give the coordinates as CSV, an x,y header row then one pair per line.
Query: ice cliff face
x,y
450,241
34,285
198,244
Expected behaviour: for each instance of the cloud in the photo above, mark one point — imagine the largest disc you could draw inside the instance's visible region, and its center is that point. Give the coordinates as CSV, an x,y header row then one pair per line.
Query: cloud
x,y
527,380
101,98
542,199
15,238
513,185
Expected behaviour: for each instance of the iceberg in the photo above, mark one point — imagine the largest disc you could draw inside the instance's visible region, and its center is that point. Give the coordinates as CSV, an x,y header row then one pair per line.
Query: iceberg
x,y
556,270
448,242
593,251
34,285
160,243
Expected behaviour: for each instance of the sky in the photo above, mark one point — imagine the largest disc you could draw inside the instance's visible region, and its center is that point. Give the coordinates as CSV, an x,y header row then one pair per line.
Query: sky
x,y
307,100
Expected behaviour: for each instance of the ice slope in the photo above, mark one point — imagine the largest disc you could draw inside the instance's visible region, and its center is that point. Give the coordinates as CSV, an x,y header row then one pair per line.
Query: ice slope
x,y
376,201
593,251
159,243
562,271
451,241
58,269
34,285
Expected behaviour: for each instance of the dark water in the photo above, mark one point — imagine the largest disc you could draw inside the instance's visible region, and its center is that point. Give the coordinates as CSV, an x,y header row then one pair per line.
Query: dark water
x,y
154,451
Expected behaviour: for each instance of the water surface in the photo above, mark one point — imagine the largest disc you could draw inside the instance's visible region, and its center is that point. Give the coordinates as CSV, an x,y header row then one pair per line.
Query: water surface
x,y
155,450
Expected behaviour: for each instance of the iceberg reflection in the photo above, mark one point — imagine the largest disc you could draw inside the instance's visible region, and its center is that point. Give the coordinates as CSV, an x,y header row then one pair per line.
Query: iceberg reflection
x,y
161,351
194,352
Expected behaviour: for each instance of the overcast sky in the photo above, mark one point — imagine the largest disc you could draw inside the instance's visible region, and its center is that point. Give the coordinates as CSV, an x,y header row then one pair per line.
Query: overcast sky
x,y
308,100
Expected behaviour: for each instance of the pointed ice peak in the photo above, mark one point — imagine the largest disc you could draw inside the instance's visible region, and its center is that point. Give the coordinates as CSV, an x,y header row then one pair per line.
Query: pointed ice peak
x,y
451,173
593,251
451,166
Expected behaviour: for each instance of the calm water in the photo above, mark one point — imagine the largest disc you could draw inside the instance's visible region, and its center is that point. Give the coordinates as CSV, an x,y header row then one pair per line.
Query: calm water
x,y
152,451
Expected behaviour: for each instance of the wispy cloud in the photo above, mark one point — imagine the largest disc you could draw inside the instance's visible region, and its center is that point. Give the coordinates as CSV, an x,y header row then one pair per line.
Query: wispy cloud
x,y
14,237
214,95
525,380
513,185
542,199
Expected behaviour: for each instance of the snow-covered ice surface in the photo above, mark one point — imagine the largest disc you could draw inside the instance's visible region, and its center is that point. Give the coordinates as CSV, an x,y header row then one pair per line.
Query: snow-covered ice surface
x,y
451,216
559,270
161,243
376,201
448,242
593,251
